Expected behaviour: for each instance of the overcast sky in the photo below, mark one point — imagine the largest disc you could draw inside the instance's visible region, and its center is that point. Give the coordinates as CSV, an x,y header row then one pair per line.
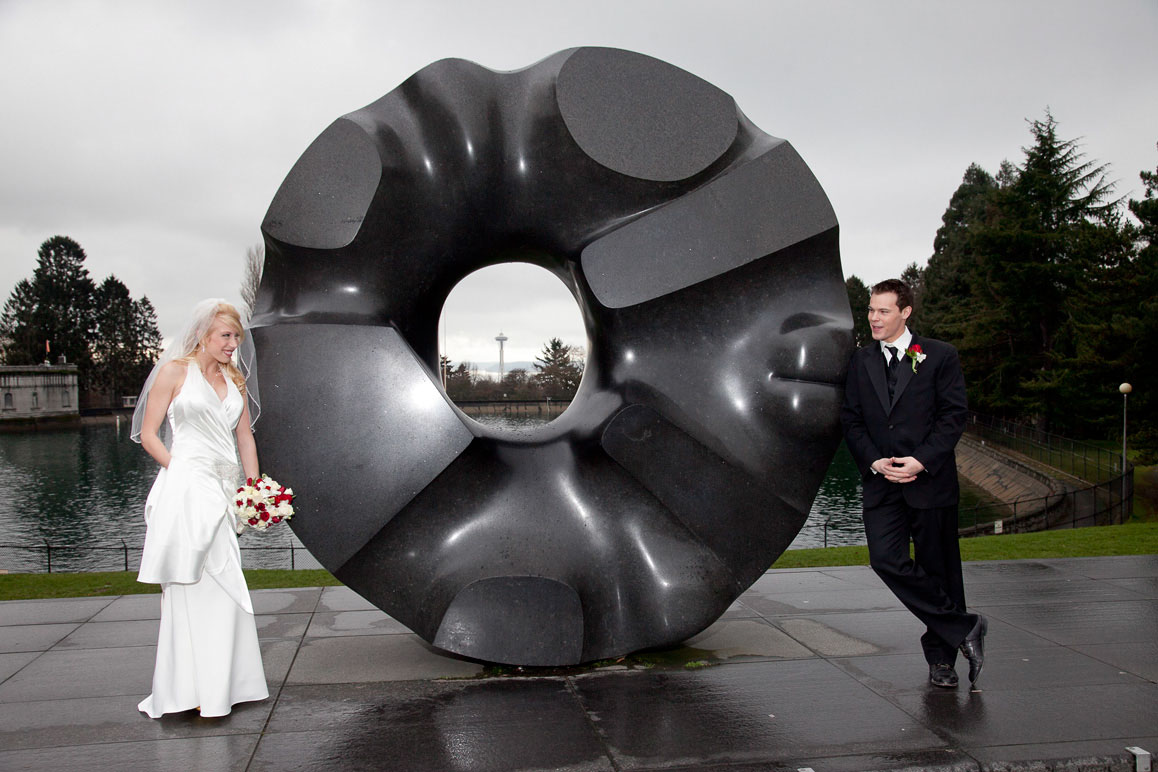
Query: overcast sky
x,y
155,132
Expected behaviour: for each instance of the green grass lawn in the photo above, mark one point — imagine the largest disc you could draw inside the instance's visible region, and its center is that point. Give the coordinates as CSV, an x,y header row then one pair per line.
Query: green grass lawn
x,y
83,585
1135,538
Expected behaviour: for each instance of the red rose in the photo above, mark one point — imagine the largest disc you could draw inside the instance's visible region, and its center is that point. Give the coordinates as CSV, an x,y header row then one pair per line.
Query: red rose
x,y
916,348
265,516
253,521
276,519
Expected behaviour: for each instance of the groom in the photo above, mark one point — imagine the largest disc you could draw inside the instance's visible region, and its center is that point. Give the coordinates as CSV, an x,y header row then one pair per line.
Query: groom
x,y
904,410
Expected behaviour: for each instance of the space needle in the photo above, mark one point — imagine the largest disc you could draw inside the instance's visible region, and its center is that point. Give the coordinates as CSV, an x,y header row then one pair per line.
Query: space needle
x,y
501,339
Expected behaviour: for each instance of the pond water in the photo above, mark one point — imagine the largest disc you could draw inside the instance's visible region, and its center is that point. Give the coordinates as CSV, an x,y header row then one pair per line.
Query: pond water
x,y
83,492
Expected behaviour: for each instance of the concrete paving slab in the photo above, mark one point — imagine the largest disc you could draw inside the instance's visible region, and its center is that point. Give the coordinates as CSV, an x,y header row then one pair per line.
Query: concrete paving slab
x,y
507,724
861,576
35,637
738,610
331,623
357,658
886,632
806,580
741,713
1021,670
941,760
62,675
816,602
296,601
827,641
1070,590
103,635
131,607
1073,624
1116,567
1039,716
12,663
224,753
363,687
57,610
1146,586
343,599
1012,572
1139,658
277,656
282,625
746,639
93,721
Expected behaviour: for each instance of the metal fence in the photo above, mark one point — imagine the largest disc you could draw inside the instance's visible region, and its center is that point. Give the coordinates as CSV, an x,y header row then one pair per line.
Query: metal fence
x,y
1079,459
61,558
1102,492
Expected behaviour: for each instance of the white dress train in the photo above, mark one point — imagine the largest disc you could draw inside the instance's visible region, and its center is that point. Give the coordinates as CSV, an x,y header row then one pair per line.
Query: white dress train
x,y
207,649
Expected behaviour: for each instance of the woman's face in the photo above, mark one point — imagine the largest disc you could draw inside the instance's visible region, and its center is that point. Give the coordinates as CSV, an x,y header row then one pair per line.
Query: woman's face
x,y
221,340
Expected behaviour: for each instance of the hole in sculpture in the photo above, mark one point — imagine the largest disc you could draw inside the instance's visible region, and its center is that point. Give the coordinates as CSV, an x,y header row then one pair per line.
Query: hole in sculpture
x,y
512,346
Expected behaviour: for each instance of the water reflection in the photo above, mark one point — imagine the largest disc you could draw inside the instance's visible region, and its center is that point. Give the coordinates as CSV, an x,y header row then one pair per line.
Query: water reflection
x,y
86,487
838,504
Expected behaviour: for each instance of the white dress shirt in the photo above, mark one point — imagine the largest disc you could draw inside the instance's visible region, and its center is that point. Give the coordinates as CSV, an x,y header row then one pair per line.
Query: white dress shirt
x,y
901,344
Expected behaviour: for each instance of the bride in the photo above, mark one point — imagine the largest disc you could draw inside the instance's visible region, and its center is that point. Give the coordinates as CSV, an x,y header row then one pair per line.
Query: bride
x,y
207,650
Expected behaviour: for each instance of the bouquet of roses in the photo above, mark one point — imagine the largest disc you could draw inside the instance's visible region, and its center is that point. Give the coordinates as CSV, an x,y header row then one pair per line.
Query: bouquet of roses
x,y
261,503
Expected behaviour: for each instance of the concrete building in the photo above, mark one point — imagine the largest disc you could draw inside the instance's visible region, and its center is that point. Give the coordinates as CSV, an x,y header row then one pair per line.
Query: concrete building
x,y
34,392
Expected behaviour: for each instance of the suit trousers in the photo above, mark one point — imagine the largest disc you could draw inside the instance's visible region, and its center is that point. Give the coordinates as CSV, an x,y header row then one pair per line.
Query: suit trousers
x,y
930,586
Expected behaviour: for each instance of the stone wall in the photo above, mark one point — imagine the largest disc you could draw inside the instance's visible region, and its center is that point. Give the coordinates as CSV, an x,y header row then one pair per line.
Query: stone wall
x,y
37,391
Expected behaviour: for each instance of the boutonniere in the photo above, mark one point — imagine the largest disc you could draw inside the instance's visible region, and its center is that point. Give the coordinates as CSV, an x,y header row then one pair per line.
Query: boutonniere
x,y
914,353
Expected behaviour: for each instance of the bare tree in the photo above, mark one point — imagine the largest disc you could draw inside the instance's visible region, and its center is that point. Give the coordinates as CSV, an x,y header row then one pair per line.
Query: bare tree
x,y
254,263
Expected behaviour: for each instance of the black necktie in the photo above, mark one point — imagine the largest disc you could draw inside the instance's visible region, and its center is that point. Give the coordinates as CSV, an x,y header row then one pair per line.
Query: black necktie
x,y
894,368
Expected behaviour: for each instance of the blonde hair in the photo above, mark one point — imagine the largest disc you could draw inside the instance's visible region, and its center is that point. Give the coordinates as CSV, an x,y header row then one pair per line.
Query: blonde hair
x,y
228,314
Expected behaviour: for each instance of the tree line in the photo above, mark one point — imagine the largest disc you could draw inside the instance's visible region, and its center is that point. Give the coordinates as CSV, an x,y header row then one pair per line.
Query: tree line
x,y
60,312
558,370
1048,289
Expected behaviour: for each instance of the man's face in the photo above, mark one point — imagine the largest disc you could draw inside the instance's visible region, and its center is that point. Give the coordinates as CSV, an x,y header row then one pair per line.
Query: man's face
x,y
885,318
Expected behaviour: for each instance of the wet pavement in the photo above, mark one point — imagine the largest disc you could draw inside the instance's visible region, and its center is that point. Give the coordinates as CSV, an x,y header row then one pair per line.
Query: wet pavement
x,y
811,669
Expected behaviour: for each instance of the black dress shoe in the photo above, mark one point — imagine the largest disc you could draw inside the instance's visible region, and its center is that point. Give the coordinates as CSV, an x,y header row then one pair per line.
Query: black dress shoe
x,y
942,675
973,647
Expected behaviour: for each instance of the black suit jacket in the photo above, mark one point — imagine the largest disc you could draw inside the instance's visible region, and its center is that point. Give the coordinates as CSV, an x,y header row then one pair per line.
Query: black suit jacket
x,y
925,419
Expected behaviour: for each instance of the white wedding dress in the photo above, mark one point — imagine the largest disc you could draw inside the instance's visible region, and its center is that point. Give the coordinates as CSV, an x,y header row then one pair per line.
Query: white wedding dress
x,y
207,650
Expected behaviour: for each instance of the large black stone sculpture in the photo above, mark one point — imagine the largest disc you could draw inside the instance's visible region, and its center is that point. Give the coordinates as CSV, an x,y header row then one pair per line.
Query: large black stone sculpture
x,y
703,255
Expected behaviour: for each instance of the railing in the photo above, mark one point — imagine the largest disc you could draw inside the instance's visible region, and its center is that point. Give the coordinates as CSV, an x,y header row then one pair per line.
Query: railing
x,y
127,558
1079,459
1108,501
548,407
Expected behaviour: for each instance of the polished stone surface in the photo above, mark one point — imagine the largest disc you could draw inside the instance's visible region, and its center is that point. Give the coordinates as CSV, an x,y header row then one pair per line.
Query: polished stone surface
x,y
636,518
784,688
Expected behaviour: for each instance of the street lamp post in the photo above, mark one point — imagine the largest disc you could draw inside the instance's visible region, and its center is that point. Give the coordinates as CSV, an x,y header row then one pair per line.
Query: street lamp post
x,y
1125,388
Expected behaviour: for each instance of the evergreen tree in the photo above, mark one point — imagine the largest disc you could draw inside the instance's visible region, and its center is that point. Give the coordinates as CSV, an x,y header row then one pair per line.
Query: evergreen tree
x,y
126,343
20,342
460,382
1020,262
112,339
912,277
56,308
1127,342
559,370
947,279
858,301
